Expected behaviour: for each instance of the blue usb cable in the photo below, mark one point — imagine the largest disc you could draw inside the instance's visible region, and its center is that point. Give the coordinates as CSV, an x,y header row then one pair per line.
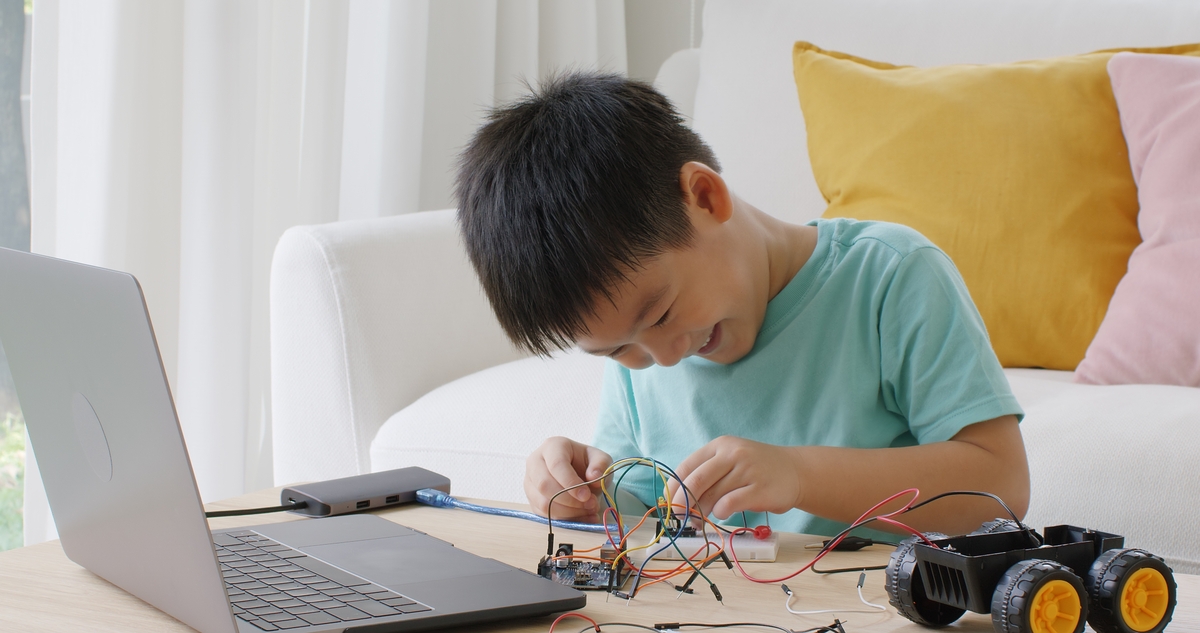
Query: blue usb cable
x,y
439,499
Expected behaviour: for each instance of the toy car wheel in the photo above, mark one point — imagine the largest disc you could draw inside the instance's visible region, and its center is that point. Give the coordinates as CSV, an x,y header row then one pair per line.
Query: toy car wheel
x,y
999,525
906,590
1132,591
1039,596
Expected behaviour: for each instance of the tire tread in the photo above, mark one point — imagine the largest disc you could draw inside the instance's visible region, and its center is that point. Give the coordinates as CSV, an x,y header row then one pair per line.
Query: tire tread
x,y
1104,581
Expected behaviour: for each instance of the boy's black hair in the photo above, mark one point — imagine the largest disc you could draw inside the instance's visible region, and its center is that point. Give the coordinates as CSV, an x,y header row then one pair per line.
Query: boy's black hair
x,y
562,193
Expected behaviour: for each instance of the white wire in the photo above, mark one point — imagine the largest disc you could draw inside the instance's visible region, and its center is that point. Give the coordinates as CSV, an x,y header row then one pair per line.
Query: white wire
x,y
787,604
869,604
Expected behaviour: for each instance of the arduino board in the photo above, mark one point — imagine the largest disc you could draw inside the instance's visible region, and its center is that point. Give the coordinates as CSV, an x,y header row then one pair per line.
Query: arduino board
x,y
586,575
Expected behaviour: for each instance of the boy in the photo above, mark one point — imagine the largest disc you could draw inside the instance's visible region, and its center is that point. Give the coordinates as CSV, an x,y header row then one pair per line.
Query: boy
x,y
805,371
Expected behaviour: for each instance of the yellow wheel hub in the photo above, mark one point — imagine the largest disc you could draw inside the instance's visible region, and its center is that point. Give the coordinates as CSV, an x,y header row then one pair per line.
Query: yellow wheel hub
x,y
1055,608
1144,599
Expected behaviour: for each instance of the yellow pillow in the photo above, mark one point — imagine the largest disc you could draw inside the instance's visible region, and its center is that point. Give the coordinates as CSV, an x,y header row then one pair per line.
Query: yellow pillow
x,y
1018,171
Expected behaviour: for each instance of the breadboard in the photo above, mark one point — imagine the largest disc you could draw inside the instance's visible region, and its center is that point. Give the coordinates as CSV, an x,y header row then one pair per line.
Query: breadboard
x,y
748,548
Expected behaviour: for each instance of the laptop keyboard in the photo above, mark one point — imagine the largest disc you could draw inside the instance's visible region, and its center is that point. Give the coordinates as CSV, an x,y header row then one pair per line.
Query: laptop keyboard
x,y
274,587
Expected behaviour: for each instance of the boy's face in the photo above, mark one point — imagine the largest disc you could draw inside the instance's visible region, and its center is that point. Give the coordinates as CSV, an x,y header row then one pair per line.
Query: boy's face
x,y
703,300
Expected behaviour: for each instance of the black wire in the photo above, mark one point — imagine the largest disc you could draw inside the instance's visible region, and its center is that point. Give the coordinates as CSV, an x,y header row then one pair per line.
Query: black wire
x,y
295,505
843,570
733,624
676,626
628,624
830,628
1033,538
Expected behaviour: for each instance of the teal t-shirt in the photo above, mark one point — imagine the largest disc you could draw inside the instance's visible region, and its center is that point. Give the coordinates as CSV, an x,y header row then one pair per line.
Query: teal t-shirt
x,y
874,343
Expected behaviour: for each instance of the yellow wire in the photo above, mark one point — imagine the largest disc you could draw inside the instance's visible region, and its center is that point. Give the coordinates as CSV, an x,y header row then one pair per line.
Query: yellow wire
x,y
661,503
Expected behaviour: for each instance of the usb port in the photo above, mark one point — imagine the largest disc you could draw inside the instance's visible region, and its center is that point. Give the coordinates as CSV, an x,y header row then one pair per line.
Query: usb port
x,y
362,504
392,499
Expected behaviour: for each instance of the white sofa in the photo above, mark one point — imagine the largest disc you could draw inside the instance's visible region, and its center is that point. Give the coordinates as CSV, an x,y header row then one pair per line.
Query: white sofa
x,y
385,353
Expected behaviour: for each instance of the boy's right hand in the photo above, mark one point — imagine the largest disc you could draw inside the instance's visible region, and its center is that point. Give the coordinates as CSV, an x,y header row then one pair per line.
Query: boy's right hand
x,y
560,463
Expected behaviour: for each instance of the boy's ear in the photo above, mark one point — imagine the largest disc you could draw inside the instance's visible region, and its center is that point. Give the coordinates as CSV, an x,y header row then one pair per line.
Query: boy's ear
x,y
705,190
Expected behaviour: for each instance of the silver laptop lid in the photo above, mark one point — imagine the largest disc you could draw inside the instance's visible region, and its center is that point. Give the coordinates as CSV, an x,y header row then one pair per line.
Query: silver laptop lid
x,y
100,416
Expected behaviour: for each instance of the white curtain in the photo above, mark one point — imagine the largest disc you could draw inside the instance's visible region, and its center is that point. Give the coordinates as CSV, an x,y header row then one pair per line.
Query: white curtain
x,y
178,139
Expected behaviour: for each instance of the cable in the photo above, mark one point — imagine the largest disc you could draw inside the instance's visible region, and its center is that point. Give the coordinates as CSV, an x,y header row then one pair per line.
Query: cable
x,y
628,624
787,604
664,511
1034,538
862,578
846,570
862,520
675,626
295,505
850,543
572,614
439,499
835,627
867,518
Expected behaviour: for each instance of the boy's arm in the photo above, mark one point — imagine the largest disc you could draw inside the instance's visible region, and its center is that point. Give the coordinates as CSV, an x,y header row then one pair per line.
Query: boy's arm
x,y
733,474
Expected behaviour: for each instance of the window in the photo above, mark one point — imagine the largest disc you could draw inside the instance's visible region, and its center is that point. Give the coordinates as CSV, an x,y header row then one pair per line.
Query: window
x,y
15,22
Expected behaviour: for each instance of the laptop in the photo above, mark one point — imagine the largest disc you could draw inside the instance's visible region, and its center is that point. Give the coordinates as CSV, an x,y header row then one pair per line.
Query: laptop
x,y
100,415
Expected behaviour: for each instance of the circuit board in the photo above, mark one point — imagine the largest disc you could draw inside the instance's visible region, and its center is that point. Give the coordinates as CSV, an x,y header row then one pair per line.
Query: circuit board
x,y
585,575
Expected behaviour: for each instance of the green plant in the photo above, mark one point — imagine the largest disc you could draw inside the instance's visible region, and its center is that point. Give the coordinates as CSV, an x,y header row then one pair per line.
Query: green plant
x,y
12,480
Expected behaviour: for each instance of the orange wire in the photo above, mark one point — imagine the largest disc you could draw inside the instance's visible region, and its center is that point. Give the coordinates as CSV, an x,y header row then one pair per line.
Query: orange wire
x,y
684,566
572,615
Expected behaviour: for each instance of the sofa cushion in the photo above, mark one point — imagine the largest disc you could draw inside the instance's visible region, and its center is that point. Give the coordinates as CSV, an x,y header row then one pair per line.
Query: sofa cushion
x,y
1151,333
1018,171
1118,459
479,429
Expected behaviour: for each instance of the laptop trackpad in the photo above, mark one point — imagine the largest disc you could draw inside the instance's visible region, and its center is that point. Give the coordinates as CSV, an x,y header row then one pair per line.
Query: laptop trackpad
x,y
402,560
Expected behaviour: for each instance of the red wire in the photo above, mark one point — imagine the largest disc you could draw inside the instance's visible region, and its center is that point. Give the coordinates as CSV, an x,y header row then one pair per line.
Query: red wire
x,y
886,518
572,615
618,521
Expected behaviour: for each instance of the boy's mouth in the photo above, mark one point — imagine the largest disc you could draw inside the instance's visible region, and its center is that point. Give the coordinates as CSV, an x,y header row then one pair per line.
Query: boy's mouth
x,y
714,339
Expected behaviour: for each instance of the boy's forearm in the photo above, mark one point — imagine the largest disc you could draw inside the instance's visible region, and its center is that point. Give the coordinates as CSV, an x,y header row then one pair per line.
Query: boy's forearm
x,y
842,483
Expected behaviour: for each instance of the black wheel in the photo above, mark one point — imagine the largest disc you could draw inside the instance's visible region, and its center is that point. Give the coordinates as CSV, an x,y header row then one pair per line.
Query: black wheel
x,y
906,591
1131,591
1000,525
1039,596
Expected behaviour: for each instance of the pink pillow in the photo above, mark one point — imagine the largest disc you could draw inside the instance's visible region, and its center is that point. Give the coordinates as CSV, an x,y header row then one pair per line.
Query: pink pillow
x,y
1151,333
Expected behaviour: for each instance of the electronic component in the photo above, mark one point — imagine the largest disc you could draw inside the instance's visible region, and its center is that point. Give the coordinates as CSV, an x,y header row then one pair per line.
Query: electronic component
x,y
748,547
362,492
585,575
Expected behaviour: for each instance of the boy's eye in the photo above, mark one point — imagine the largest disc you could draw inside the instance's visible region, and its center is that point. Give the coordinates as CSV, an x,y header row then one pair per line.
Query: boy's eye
x,y
663,320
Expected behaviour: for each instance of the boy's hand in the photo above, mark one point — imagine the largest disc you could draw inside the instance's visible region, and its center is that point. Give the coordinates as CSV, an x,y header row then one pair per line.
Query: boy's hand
x,y
560,463
732,474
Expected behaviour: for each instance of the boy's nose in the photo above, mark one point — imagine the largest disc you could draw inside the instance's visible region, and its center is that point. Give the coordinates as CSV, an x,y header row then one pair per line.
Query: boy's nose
x,y
670,351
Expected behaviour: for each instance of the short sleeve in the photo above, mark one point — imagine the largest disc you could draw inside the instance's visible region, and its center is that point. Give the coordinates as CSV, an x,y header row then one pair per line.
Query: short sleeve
x,y
615,428
618,428
938,369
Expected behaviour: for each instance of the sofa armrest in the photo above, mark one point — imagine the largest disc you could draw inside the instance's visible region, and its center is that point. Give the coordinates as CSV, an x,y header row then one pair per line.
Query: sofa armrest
x,y
367,316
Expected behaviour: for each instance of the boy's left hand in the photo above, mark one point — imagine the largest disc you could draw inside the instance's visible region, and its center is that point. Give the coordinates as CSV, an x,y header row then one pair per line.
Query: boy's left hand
x,y
733,474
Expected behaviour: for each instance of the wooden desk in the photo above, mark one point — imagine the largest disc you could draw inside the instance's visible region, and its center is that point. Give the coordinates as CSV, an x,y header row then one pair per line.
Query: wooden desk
x,y
41,590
